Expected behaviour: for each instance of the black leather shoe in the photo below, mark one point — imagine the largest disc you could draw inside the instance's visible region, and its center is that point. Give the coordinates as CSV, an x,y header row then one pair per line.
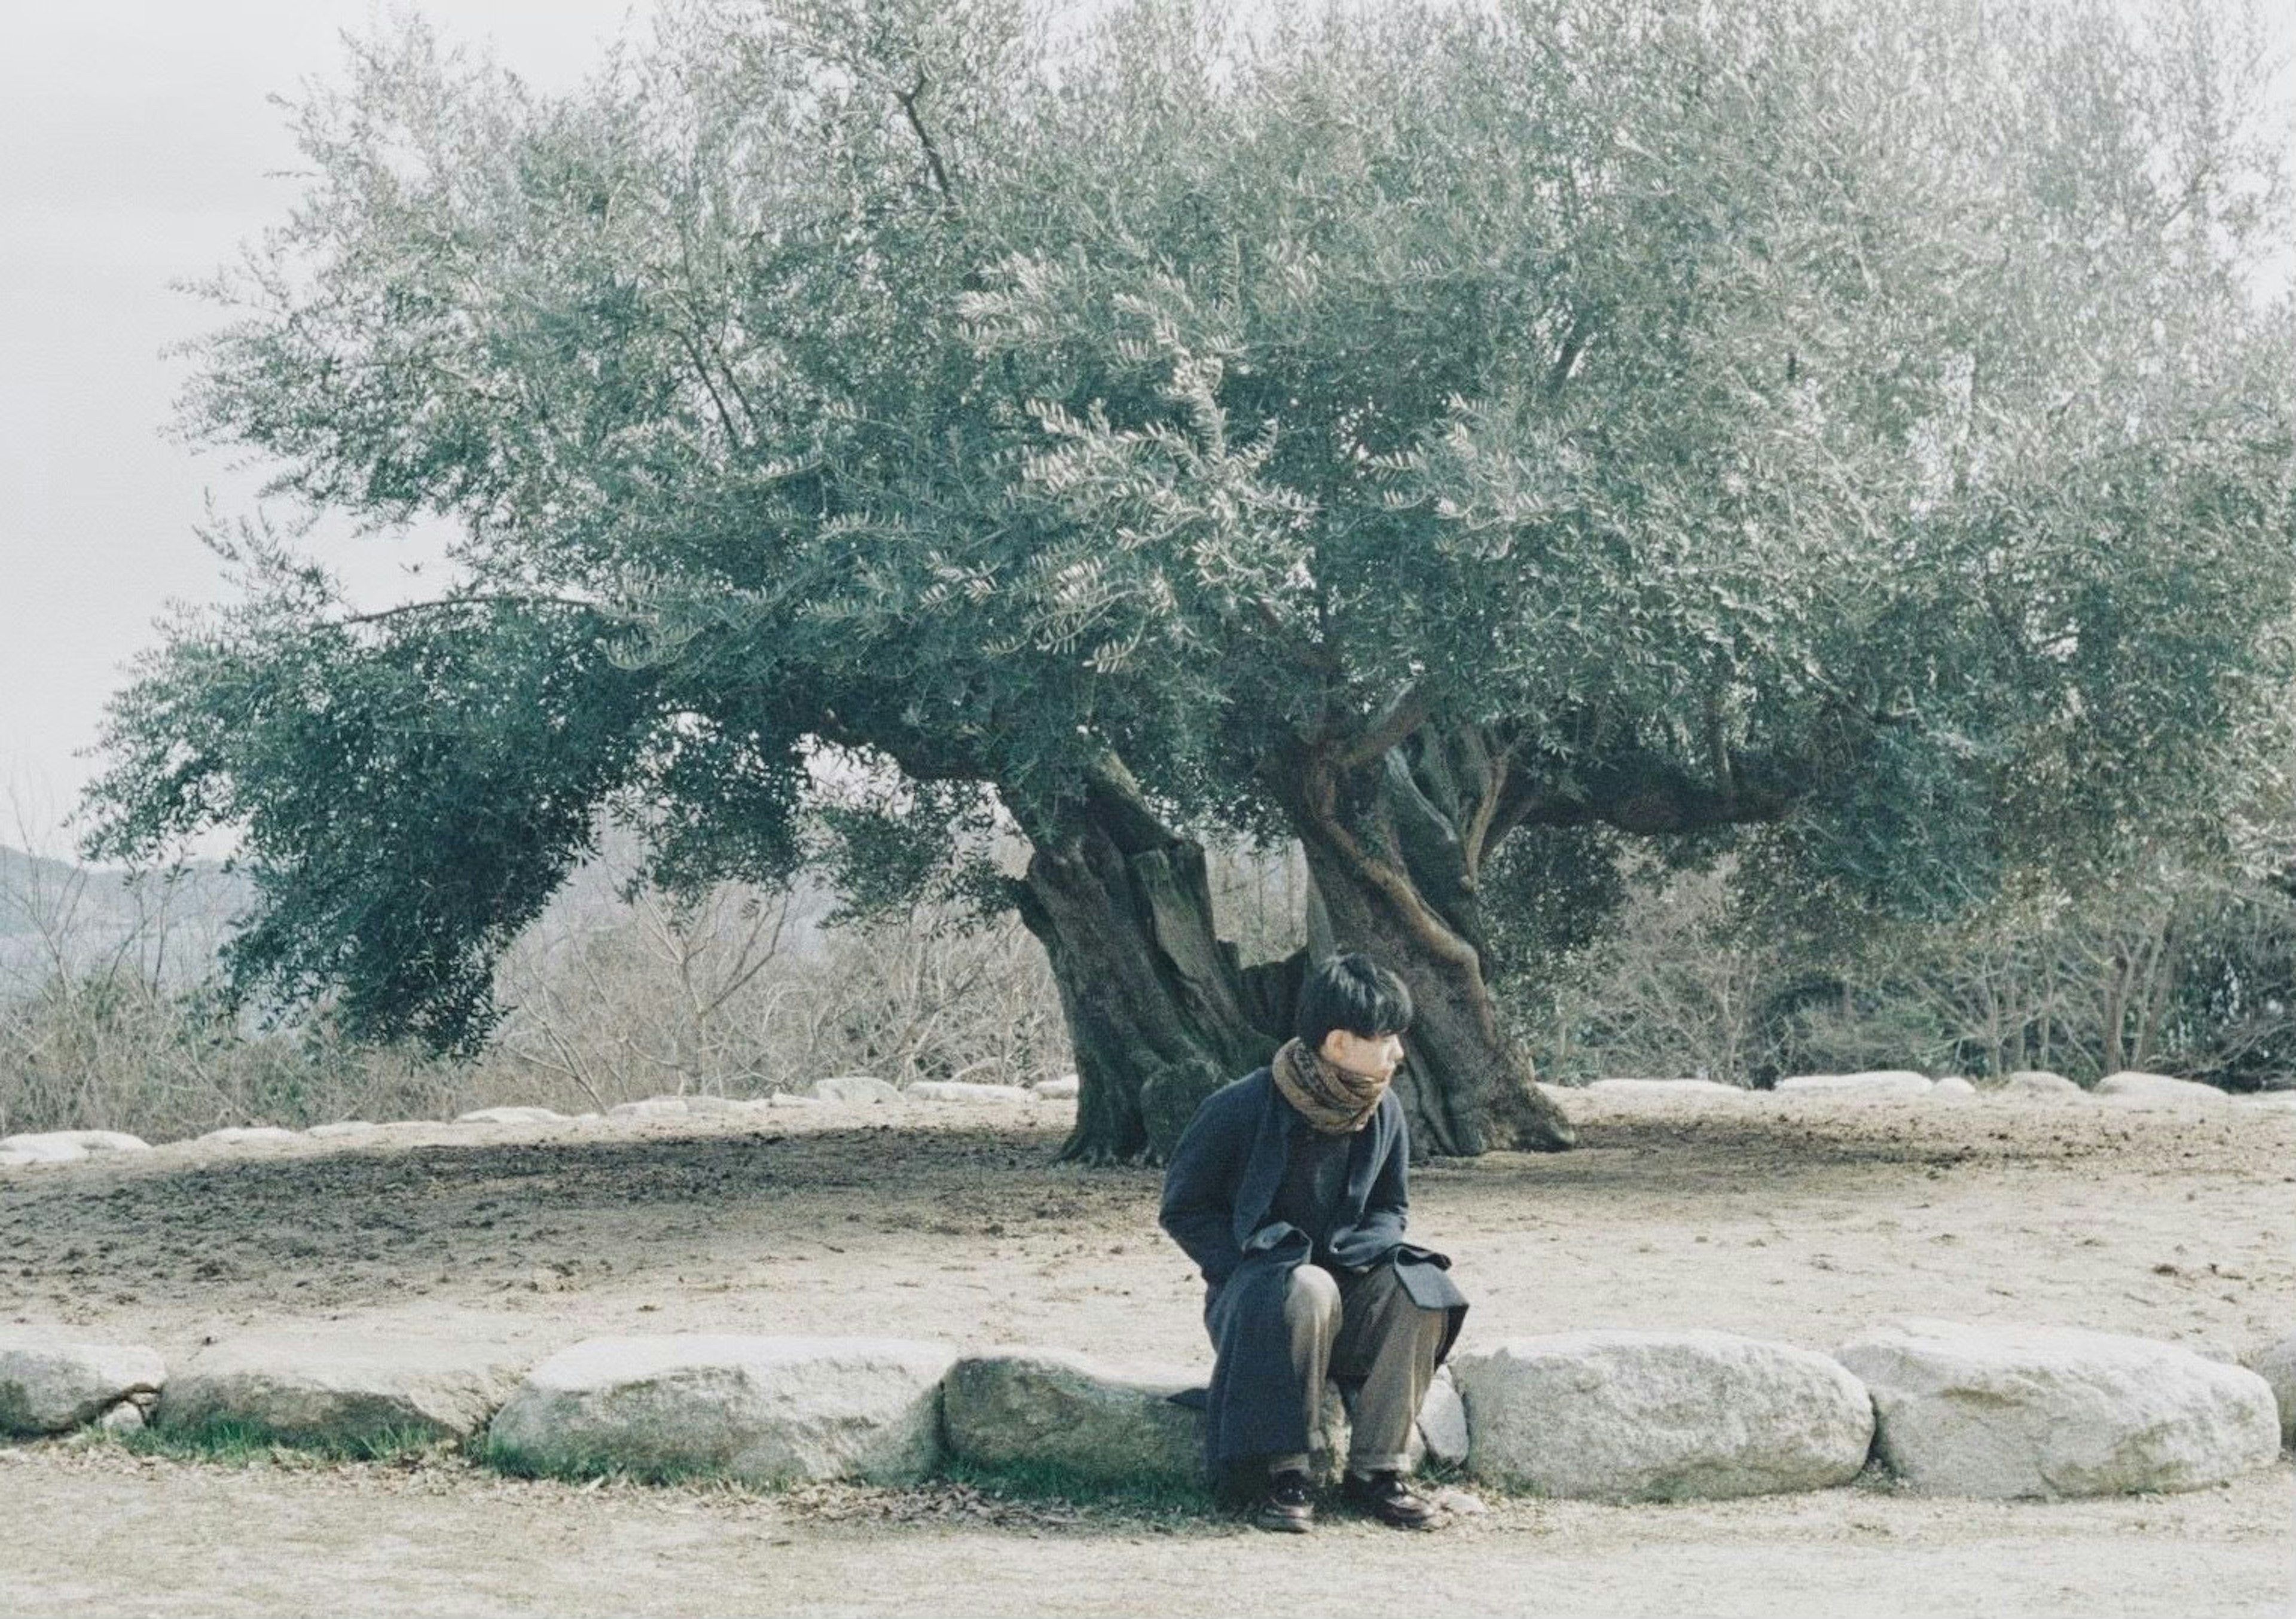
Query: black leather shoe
x,y
1289,1507
1387,1498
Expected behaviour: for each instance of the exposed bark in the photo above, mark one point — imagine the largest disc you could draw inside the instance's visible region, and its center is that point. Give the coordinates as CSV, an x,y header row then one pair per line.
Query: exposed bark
x,y
1394,879
1159,1009
1465,1086
1396,841
1639,793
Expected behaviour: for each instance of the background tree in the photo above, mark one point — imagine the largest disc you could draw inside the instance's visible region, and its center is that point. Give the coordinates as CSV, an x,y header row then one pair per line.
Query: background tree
x,y
685,353
1711,422
1842,432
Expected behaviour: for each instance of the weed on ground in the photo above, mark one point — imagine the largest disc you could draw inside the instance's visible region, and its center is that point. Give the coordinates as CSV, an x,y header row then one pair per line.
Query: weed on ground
x,y
233,1442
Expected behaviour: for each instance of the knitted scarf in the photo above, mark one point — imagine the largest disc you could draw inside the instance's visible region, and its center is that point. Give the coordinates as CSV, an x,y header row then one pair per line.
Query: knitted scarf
x,y
1333,1099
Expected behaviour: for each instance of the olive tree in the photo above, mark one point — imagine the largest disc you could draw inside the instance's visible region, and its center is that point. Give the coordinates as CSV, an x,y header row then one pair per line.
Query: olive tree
x,y
1845,432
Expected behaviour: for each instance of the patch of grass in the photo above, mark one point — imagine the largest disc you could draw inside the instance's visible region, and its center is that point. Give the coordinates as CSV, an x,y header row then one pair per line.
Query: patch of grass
x,y
1025,1485
234,1441
1048,1482
237,1445
399,1445
1019,1494
587,1469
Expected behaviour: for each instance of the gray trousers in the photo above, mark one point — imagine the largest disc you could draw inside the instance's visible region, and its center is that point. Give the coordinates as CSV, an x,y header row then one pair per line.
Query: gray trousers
x,y
1363,1327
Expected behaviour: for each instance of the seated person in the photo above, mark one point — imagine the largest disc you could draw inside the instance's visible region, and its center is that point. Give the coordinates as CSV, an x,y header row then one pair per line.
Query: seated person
x,y
1287,1188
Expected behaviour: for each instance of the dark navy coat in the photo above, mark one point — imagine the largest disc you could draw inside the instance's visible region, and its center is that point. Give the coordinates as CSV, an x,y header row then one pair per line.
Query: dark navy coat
x,y
1222,1181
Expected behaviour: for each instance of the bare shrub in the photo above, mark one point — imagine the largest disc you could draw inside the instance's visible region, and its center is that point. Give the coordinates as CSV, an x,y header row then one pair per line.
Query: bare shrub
x,y
165,1067
2172,967
107,1020
744,994
106,1023
1676,991
1260,897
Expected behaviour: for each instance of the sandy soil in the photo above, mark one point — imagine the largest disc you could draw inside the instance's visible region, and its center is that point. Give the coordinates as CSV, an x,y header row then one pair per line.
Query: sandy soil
x,y
1791,1218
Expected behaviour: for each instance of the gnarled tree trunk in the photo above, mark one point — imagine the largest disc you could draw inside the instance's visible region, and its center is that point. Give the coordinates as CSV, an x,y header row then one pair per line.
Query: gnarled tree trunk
x,y
1159,1009
1393,854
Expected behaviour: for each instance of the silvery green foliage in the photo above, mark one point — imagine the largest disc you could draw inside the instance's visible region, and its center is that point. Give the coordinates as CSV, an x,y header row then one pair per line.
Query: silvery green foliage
x,y
1856,414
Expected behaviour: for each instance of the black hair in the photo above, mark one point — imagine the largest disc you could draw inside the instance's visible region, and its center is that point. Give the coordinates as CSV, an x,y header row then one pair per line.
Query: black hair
x,y
1352,993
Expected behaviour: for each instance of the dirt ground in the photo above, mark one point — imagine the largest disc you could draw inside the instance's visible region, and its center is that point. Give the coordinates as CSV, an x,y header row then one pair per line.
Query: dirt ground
x,y
1800,1219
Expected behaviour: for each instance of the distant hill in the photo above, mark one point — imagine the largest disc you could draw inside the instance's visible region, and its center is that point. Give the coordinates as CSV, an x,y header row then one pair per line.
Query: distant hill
x,y
52,909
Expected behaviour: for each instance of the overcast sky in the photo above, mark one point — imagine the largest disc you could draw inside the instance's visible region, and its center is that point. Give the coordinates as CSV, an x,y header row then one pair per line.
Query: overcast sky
x,y
139,148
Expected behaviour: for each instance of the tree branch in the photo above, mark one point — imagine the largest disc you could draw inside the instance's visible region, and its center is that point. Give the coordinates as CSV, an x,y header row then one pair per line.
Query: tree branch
x,y
445,602
1308,782
1566,359
1316,657
1497,765
908,99
1645,795
1404,715
692,347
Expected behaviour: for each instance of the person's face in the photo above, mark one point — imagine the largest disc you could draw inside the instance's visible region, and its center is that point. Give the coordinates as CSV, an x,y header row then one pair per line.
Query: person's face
x,y
1377,1054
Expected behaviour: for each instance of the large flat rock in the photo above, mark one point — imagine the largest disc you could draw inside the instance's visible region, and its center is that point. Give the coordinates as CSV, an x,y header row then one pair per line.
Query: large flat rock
x,y
852,1088
1012,1407
2054,1412
673,1108
511,1116
340,1130
2277,1367
1881,1082
2035,1081
2158,1091
962,1091
1442,1435
348,1388
1017,1406
67,1146
765,1409
389,1130
1665,1089
652,1108
52,1380
1662,1416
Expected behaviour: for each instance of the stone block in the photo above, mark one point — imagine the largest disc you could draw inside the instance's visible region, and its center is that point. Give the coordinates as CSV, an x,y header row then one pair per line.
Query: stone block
x,y
2158,1090
852,1088
1443,1435
1662,1416
764,1410
1880,1083
1010,1407
343,1386
960,1090
68,1145
2277,1367
52,1380
2008,1411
